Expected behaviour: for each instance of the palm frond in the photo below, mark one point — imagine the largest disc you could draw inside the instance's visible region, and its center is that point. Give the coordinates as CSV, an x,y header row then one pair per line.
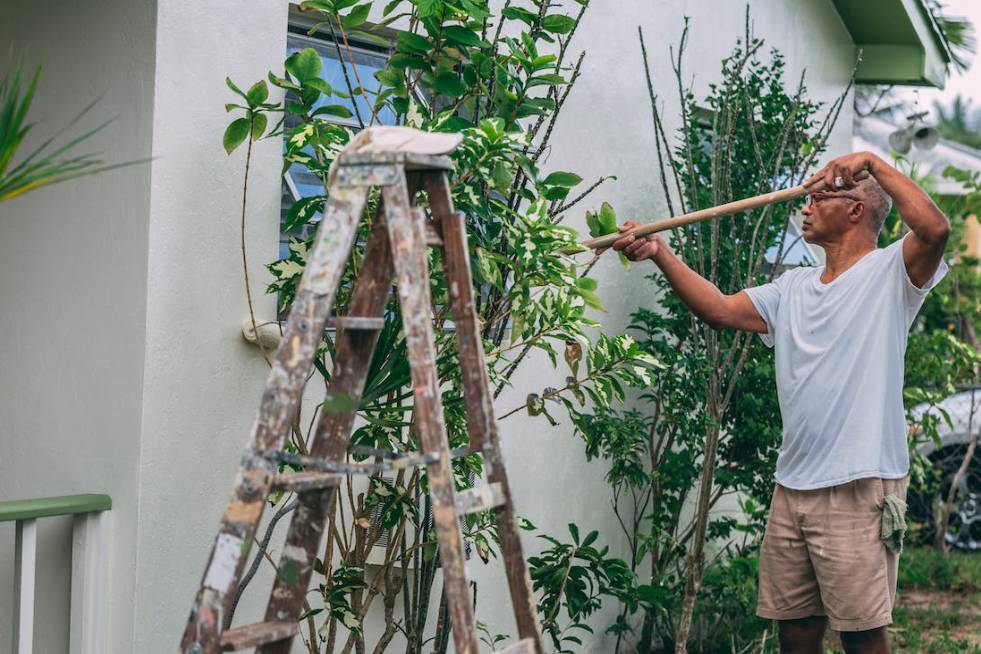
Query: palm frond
x,y
959,34
47,163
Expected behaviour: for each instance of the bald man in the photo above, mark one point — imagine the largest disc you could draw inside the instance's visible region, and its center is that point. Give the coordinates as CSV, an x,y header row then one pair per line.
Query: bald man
x,y
839,333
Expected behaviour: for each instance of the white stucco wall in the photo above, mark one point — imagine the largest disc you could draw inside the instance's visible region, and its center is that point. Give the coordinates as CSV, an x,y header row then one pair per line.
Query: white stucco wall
x,y
157,297
72,300
202,381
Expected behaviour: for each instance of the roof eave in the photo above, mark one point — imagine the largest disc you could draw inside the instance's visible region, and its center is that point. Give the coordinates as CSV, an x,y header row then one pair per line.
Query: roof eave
x,y
917,58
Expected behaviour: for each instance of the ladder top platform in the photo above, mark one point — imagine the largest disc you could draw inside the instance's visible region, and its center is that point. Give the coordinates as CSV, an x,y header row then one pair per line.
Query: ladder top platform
x,y
408,160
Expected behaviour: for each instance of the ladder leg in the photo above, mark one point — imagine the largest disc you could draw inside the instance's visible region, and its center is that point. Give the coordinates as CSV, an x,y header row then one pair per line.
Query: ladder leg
x,y
352,358
410,255
276,412
481,422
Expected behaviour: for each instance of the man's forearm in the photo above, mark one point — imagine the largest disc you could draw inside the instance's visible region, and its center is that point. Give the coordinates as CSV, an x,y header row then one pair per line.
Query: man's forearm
x,y
913,204
702,296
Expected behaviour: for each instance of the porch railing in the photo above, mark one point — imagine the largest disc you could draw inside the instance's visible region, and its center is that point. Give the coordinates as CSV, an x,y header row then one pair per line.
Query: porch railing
x,y
89,545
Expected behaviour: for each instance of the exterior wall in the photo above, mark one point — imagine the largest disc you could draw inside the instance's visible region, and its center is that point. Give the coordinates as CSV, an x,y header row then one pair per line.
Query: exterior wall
x,y
202,381
72,283
189,386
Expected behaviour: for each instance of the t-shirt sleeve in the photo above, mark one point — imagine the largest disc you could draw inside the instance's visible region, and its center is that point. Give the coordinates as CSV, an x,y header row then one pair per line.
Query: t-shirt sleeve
x,y
766,299
913,295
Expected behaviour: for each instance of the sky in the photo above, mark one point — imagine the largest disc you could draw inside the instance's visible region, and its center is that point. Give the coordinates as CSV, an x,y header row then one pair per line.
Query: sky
x,y
968,84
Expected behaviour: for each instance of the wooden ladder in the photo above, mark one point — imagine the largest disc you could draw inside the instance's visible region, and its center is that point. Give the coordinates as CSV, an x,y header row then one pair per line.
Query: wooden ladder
x,y
396,251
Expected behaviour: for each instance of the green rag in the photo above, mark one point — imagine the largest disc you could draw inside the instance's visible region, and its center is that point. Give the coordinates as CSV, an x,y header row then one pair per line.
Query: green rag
x,y
893,523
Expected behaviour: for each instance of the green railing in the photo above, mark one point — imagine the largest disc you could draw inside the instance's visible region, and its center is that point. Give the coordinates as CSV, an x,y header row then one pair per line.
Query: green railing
x,y
89,540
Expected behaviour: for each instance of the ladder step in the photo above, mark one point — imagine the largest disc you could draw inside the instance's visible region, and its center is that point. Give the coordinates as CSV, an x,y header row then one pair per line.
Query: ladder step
x,y
482,498
305,481
254,635
433,237
356,322
523,646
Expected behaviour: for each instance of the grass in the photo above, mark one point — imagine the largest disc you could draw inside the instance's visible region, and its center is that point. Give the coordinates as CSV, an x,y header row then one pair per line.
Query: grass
x,y
939,608
926,568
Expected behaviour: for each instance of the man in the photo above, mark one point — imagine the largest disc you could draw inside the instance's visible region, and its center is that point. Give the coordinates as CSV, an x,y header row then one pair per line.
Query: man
x,y
840,336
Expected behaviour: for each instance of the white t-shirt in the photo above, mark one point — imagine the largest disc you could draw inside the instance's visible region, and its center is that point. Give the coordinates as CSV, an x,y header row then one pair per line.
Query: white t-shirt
x,y
839,365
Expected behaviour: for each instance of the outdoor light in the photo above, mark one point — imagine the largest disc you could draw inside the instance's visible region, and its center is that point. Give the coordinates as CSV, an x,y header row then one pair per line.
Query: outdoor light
x,y
923,137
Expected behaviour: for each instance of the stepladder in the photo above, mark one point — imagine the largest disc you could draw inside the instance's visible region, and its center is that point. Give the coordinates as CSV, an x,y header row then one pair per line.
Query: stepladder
x,y
400,162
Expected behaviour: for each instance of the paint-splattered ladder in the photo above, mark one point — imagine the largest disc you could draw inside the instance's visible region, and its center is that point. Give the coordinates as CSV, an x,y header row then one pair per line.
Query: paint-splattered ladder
x,y
396,251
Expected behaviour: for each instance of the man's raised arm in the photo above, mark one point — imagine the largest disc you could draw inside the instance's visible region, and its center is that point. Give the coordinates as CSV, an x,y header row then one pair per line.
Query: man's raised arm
x,y
702,296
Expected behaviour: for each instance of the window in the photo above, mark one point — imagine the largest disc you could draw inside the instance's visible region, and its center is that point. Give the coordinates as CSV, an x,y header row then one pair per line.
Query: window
x,y
368,58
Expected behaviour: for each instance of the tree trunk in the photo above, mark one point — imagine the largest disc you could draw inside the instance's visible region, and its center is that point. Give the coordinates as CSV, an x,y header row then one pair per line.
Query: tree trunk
x,y
696,556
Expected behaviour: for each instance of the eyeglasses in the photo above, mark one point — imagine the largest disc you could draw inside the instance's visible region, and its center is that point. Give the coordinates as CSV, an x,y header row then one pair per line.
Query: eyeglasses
x,y
815,198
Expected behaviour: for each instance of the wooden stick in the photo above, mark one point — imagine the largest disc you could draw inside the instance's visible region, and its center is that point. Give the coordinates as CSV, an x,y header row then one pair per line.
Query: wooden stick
x,y
737,206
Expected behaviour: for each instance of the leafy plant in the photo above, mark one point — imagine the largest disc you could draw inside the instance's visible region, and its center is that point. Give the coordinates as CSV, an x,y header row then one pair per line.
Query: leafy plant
x,y
573,578
49,162
498,77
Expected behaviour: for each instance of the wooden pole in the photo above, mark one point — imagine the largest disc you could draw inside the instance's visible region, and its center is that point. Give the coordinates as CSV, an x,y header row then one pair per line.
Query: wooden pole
x,y
737,206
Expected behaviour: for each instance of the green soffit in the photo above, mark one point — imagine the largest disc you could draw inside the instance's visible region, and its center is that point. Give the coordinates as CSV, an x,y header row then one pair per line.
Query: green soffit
x,y
901,43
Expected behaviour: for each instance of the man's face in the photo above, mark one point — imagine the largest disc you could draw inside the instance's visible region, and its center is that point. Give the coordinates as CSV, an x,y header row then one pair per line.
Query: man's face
x,y
827,216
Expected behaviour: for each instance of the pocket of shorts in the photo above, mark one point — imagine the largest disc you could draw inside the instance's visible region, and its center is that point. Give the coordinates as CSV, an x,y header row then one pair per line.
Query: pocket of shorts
x,y
880,493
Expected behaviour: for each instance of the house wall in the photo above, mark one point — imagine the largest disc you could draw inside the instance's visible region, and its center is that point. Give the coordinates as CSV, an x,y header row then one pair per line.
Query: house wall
x,y
72,300
188,385
202,381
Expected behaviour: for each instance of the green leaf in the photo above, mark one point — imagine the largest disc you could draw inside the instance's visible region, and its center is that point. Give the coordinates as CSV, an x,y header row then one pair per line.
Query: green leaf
x,y
231,85
559,24
550,79
236,132
257,94
400,60
502,176
319,84
449,84
305,64
337,110
357,16
592,223
517,13
461,36
607,220
413,43
562,179
302,212
362,35
259,123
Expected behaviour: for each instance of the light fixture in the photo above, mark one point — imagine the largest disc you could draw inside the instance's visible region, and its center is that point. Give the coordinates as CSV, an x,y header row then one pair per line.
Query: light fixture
x,y
924,137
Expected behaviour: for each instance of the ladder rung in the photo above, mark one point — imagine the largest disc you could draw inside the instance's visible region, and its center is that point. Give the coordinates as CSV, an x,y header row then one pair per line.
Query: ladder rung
x,y
482,498
433,237
356,322
254,635
523,646
305,481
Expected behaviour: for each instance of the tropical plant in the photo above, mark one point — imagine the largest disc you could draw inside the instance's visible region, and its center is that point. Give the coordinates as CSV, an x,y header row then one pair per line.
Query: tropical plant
x,y
959,121
958,33
500,78
49,162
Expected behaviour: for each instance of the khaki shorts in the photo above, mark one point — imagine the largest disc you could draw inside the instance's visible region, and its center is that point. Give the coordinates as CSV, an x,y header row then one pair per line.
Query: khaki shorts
x,y
822,555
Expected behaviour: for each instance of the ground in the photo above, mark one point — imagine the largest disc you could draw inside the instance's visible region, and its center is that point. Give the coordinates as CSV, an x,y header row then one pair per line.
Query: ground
x,y
939,604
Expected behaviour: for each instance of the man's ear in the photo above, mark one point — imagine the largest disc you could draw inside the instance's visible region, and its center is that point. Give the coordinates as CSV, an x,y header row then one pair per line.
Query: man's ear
x,y
857,212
